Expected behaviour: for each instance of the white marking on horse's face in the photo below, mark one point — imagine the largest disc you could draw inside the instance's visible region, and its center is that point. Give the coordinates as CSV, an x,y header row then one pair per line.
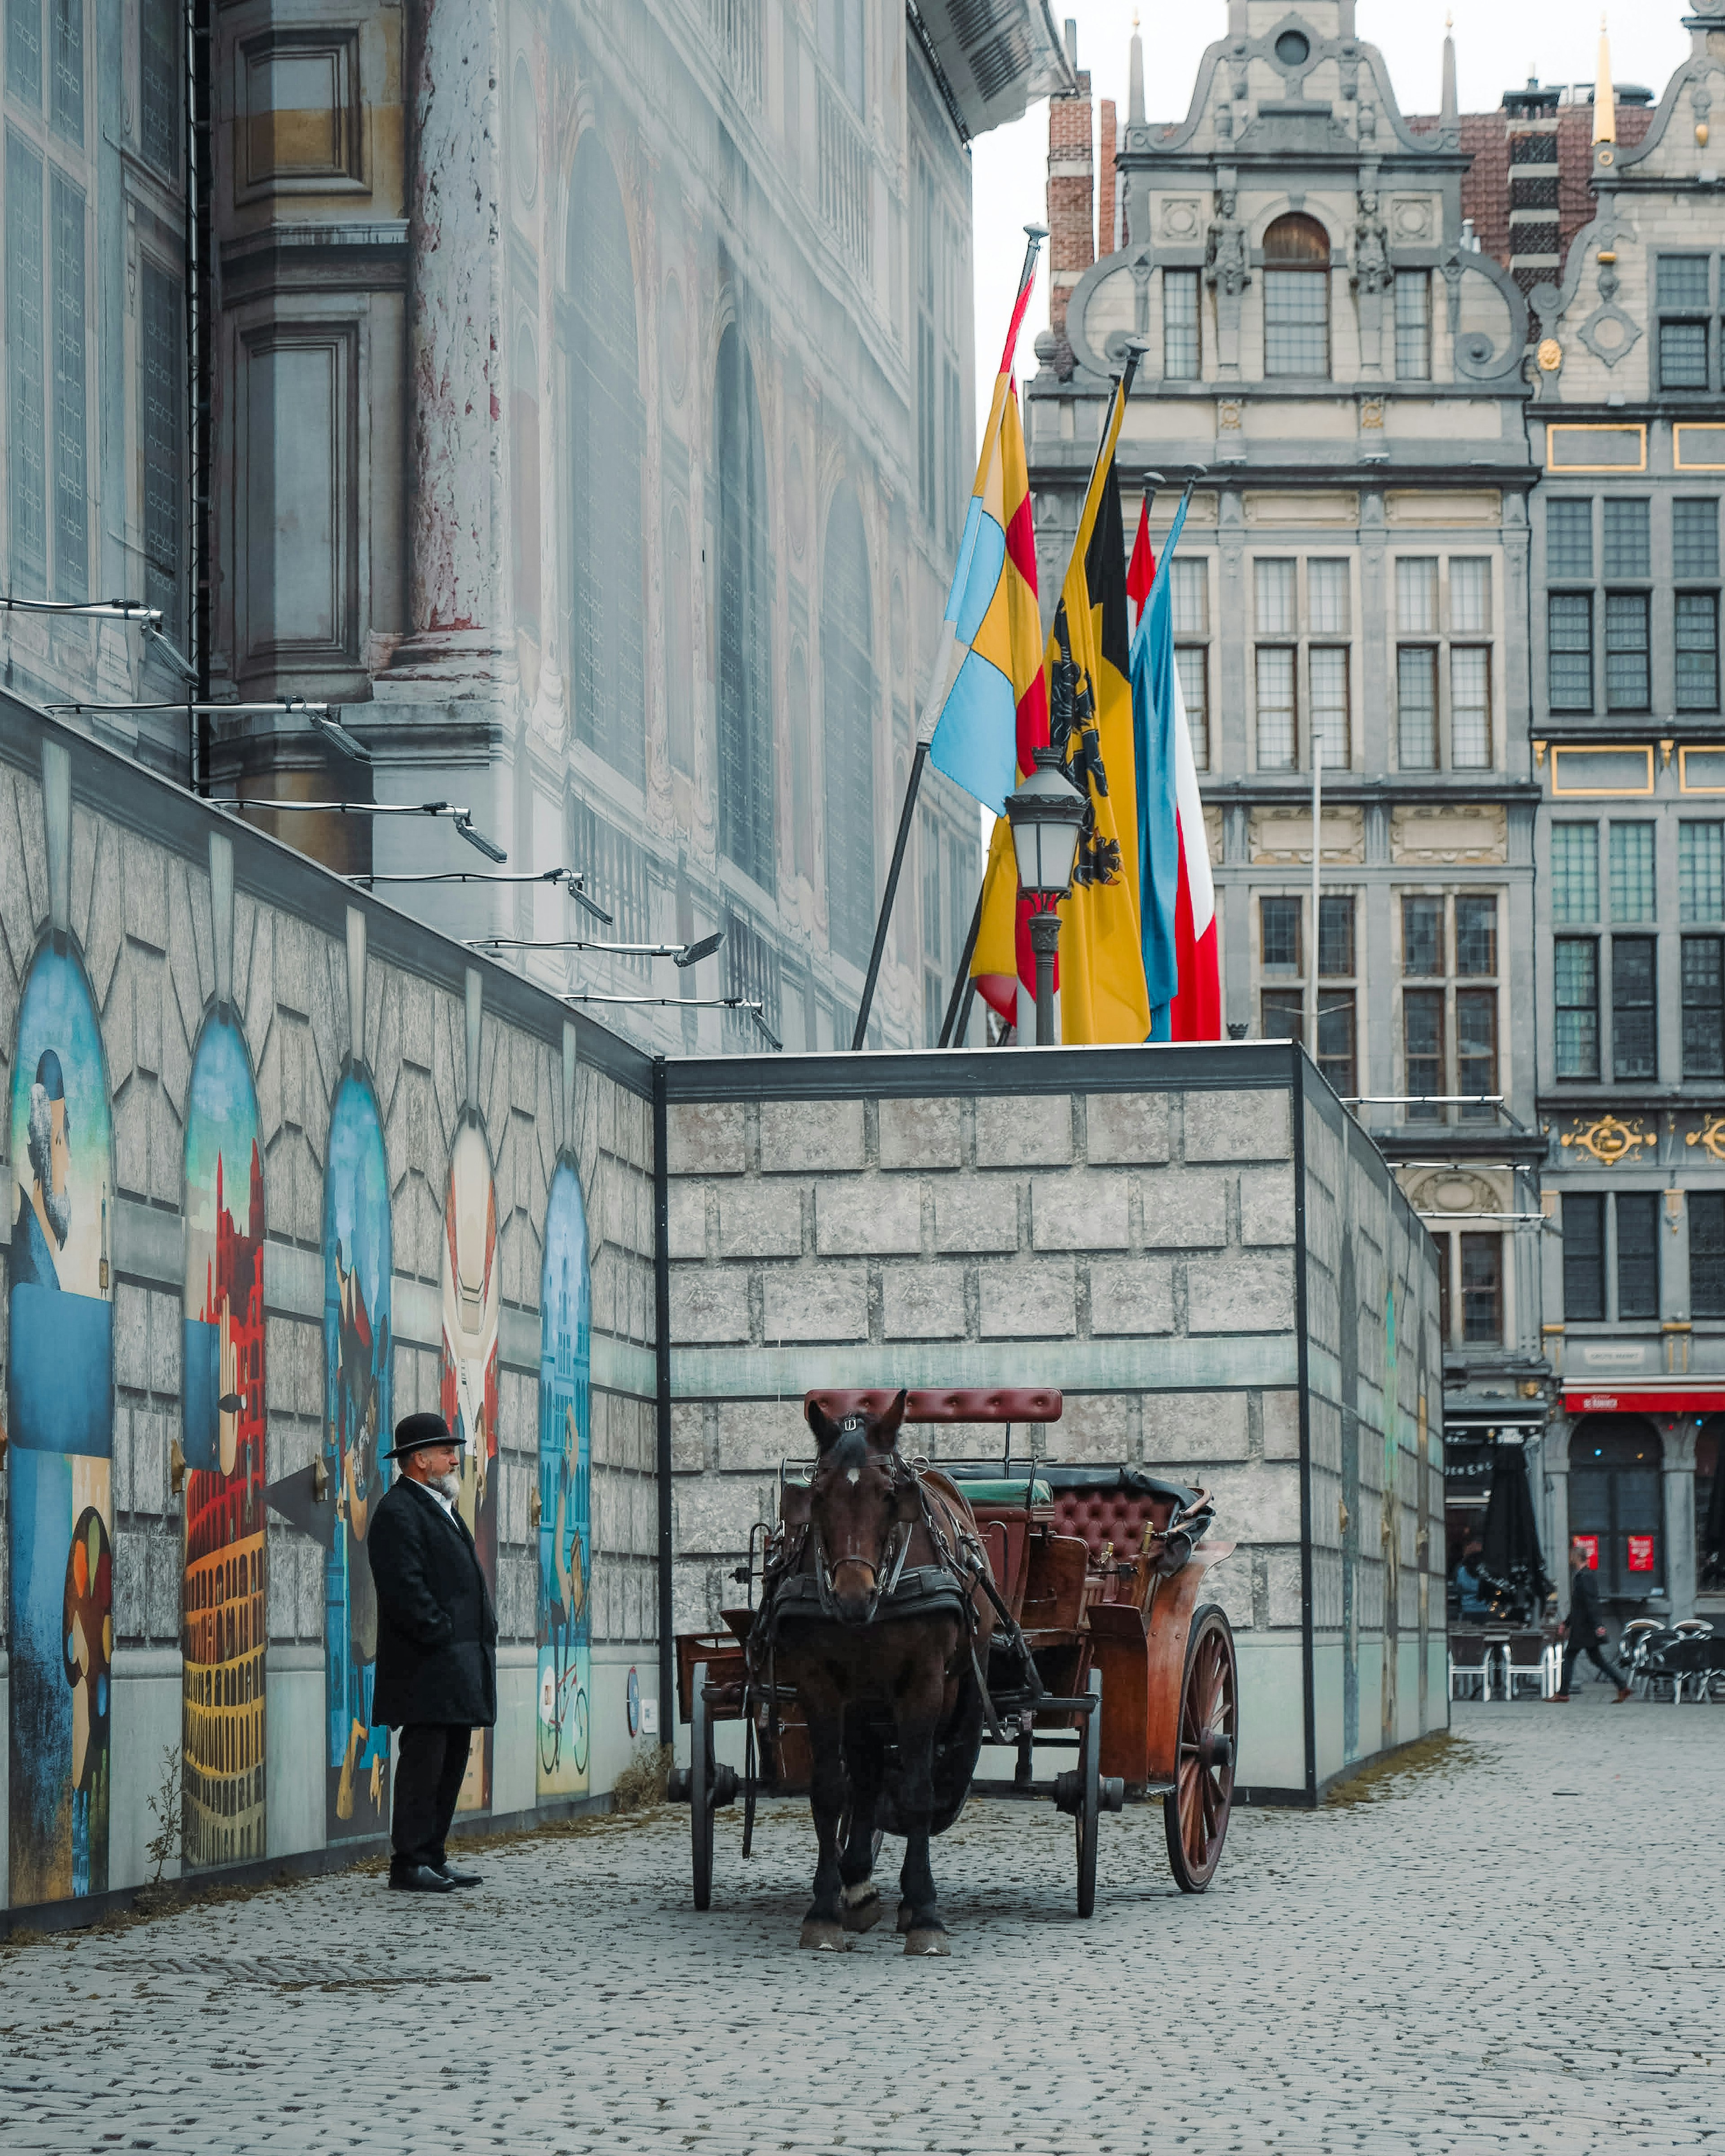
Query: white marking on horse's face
x,y
853,1475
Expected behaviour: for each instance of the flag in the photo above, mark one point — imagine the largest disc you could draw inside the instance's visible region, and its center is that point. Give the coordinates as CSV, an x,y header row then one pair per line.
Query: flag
x,y
1182,959
990,656
1087,715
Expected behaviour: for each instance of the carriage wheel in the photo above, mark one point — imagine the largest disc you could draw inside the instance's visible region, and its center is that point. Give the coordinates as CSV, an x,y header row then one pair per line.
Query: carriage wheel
x,y
748,1780
1087,1812
700,1787
1195,1811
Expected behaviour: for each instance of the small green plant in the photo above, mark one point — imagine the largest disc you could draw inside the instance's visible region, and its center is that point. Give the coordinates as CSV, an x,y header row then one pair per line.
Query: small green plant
x,y
167,1809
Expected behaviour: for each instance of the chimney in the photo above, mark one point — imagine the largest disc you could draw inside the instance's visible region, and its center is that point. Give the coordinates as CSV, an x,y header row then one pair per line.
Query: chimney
x,y
1071,185
1107,193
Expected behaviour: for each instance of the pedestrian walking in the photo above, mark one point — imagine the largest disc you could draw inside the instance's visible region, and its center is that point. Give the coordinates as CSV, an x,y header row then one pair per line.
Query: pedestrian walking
x,y
437,1649
1583,1632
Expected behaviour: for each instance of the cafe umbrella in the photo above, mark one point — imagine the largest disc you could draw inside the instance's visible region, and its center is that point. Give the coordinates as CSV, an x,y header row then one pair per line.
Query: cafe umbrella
x,y
1510,1560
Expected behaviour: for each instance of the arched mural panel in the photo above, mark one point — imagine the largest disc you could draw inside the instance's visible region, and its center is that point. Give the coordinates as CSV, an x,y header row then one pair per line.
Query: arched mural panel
x,y
469,1375
59,1396
223,1545
357,1258
565,1622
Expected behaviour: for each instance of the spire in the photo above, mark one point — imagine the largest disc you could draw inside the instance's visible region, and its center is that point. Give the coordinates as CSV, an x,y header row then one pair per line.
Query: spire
x,y
1135,77
1604,103
1450,114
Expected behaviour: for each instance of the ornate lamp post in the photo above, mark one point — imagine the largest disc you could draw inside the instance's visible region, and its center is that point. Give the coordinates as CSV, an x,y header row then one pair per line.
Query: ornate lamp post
x,y
1046,814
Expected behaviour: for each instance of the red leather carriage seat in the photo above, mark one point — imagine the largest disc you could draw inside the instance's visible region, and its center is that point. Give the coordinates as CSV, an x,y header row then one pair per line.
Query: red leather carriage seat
x,y
1103,1505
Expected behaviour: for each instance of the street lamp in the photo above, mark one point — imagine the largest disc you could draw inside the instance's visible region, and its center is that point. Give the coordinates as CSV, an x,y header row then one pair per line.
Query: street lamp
x,y
1045,813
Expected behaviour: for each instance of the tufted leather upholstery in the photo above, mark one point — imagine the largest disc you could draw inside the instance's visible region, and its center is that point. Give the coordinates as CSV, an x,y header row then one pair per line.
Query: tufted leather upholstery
x,y
1118,1517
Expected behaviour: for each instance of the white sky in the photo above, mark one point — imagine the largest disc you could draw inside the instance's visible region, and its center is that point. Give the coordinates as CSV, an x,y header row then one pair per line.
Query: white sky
x,y
1498,44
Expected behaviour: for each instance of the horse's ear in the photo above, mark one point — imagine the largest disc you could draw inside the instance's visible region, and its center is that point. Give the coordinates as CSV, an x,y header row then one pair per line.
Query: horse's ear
x,y
885,1431
825,1430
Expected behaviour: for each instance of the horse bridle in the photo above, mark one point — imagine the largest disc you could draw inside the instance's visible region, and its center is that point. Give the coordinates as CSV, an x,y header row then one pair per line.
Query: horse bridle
x,y
902,1476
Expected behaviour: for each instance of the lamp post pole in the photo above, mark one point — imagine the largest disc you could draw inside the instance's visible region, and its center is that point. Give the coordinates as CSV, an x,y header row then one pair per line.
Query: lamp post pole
x,y
1046,814
1045,942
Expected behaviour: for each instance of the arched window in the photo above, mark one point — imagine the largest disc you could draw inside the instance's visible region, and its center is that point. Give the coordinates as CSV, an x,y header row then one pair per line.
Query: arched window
x,y
1616,1504
744,598
847,701
801,729
679,643
1296,297
606,691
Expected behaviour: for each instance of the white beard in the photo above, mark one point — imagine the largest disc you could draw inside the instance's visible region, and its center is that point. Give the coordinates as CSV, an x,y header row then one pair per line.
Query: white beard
x,y
447,1486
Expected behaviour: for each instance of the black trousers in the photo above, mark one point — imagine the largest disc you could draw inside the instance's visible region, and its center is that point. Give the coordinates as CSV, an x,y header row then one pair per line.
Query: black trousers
x,y
1574,1649
428,1767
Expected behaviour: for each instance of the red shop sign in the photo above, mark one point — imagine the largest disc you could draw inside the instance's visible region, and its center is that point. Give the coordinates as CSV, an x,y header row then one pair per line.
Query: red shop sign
x,y
1590,1544
1641,1552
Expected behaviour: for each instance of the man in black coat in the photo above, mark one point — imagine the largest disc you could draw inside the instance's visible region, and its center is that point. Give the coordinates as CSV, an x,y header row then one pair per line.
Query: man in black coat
x,y
1583,1631
437,1648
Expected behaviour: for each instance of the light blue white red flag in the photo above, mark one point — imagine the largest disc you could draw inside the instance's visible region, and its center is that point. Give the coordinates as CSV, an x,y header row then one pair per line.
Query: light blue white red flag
x,y
1182,955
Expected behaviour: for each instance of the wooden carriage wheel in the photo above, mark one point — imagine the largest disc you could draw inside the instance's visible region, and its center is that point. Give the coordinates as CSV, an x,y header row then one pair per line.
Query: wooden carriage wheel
x,y
1195,1811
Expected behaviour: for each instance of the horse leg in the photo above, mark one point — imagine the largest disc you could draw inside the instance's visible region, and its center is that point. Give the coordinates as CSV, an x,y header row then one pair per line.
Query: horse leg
x,y
822,1927
919,1708
861,1896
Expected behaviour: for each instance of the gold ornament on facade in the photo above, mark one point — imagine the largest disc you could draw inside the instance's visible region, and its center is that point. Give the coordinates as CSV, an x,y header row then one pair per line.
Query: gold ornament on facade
x,y
1609,1140
1712,1135
1551,355
1371,413
1700,133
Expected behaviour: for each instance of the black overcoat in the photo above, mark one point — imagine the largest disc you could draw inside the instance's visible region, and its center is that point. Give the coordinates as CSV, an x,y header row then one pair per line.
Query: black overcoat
x,y
436,1629
1583,1606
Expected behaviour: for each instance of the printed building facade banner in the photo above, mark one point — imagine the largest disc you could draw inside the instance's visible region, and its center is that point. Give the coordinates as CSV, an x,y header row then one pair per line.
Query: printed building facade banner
x,y
469,1377
59,1391
565,1506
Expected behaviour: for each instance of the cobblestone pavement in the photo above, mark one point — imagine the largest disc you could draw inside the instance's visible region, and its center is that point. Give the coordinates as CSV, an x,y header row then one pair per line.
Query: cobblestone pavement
x,y
1515,1951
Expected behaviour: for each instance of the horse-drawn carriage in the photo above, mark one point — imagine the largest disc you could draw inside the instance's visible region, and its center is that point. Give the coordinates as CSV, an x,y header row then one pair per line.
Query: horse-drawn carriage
x,y
1064,1603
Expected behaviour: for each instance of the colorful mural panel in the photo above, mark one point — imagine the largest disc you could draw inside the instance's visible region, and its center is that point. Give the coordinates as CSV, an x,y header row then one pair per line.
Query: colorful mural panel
x,y
59,1395
565,1625
469,1379
223,1545
357,1258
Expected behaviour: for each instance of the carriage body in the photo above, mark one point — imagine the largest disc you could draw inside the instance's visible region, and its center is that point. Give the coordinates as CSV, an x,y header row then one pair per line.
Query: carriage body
x,y
1111,1651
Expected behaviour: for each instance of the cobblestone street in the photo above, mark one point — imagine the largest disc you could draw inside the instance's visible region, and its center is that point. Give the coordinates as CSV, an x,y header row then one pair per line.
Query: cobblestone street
x,y
1407,1971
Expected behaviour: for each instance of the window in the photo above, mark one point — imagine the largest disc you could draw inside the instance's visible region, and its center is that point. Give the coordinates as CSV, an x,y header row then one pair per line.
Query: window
x,y
1328,664
1423,1044
1584,1257
1706,1253
1698,651
1482,1288
1476,1047
1576,975
1632,889
161,383
1335,938
1575,872
933,919
1637,1254
1422,936
1412,325
1683,321
603,595
1469,708
841,45
1296,297
1475,935
1180,358
159,84
1273,584
1569,646
1569,539
1703,1007
1628,683
1326,589
1700,871
1627,545
26,386
1416,593
927,371
847,701
1279,921
1634,1045
1416,707
744,619
1277,721
1695,538
1283,1014
1470,596
1192,664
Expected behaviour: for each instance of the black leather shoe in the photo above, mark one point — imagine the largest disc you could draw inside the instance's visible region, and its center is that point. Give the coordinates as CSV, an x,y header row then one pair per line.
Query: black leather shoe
x,y
420,1879
460,1878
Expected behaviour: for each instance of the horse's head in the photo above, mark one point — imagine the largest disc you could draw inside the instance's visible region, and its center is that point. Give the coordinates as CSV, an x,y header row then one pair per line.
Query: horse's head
x,y
862,1505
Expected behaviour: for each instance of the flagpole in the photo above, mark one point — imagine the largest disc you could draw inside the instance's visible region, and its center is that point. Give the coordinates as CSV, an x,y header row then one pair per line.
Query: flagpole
x,y
1034,234
1317,804
963,988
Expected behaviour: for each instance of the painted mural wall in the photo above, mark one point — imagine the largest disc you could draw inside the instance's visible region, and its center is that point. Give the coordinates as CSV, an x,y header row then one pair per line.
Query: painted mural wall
x,y
267,1193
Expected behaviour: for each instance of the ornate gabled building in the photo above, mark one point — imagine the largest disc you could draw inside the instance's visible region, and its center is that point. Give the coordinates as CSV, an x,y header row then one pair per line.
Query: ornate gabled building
x,y
1345,369
1628,430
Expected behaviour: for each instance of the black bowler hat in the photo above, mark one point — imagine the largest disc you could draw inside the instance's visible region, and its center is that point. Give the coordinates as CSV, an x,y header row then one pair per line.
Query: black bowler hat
x,y
413,1432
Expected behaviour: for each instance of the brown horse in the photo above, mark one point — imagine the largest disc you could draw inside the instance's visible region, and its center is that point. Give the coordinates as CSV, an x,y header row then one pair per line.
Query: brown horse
x,y
882,1624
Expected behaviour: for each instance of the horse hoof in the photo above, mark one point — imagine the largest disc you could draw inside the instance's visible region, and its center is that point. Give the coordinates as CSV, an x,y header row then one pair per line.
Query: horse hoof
x,y
862,1909
823,1936
926,1943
